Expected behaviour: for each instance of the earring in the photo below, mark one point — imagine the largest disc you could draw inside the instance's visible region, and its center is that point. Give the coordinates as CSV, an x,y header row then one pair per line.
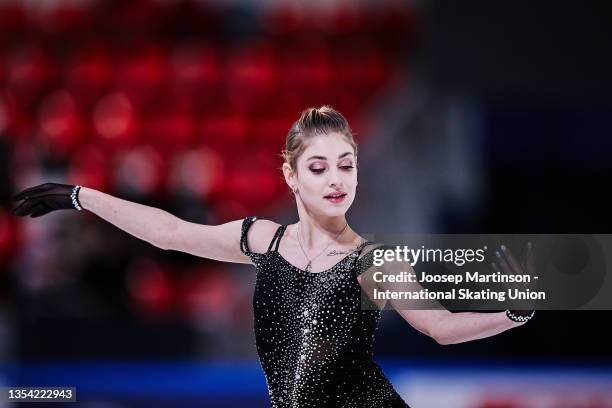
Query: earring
x,y
294,189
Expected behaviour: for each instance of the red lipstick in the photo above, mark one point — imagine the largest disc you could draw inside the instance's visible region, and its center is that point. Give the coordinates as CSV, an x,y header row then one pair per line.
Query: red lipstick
x,y
336,197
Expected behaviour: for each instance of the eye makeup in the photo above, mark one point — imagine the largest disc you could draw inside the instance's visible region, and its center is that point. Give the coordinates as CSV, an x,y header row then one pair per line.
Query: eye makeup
x,y
319,170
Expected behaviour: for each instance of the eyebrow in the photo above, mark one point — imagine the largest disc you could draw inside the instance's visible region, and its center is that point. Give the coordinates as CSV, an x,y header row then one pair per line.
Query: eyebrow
x,y
325,158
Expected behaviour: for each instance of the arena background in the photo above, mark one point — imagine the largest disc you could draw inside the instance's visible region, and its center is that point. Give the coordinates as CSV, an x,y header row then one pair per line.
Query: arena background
x,y
472,117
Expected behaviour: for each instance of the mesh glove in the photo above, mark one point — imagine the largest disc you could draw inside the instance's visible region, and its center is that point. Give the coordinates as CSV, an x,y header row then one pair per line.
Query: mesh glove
x,y
42,199
510,266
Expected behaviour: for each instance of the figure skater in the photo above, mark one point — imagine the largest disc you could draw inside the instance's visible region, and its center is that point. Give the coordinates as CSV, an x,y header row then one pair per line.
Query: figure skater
x,y
313,338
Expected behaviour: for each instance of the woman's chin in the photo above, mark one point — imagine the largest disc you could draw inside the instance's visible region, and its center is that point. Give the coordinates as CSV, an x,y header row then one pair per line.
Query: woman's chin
x,y
334,211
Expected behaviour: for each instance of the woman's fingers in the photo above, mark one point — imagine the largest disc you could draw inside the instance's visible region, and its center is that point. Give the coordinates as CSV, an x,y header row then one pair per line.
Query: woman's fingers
x,y
42,211
503,264
25,207
530,264
15,210
38,207
516,267
29,192
45,211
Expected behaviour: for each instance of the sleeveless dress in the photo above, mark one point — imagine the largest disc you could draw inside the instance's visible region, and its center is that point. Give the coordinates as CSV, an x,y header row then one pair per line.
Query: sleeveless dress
x,y
313,339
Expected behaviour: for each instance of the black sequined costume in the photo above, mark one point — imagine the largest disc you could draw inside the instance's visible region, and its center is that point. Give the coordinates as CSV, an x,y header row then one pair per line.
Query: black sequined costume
x,y
313,339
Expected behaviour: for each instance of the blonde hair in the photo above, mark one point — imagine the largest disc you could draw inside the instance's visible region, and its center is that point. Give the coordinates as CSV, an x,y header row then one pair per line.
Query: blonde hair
x,y
313,122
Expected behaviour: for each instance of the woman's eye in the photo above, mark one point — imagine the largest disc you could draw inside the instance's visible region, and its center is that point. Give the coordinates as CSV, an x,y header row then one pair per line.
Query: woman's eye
x,y
319,171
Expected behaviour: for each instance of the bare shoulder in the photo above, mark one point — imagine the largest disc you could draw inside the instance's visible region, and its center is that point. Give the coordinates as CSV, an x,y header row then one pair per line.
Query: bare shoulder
x,y
260,234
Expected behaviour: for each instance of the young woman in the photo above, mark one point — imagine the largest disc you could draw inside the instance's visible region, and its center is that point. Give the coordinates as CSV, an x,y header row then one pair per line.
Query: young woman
x,y
313,338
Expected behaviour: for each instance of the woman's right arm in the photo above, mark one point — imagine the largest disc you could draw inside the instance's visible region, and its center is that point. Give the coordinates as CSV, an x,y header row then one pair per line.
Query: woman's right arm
x,y
166,231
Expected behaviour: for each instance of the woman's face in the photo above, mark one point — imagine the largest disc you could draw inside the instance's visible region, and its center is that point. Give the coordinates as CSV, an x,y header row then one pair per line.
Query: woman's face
x,y
327,175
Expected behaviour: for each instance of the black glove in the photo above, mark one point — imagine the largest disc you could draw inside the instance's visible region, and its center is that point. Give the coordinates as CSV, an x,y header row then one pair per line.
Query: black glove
x,y
42,199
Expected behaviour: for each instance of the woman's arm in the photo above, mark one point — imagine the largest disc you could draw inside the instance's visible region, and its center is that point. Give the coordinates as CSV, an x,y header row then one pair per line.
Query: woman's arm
x,y
451,328
166,231
434,320
147,223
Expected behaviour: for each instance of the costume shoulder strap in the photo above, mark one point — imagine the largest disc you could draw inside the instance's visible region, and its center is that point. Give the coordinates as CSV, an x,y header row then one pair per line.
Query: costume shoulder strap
x,y
365,258
246,224
277,237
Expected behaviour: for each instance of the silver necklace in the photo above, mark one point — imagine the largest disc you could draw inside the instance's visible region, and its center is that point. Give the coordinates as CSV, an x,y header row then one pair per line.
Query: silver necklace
x,y
309,265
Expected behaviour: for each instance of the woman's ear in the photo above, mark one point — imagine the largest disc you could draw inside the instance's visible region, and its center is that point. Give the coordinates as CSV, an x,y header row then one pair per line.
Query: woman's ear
x,y
289,175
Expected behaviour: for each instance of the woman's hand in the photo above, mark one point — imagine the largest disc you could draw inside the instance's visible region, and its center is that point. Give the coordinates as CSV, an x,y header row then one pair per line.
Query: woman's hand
x,y
42,199
510,266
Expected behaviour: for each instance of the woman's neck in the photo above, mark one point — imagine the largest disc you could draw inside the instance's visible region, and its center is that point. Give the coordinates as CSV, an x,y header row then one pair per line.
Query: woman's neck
x,y
314,232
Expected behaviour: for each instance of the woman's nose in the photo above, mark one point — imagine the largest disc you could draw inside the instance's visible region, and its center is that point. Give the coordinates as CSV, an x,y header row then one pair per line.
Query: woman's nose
x,y
334,178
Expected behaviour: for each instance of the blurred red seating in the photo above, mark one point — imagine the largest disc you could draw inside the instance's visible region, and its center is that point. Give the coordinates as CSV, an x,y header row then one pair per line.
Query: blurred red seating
x,y
225,131
150,287
284,19
13,18
253,178
269,132
207,295
195,75
252,76
67,17
9,115
146,95
140,171
358,66
142,75
170,131
115,123
89,74
9,236
197,172
28,70
347,19
89,166
61,127
134,17
306,66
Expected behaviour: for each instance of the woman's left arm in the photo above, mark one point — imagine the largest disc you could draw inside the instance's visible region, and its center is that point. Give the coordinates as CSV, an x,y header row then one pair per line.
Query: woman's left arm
x,y
430,317
451,328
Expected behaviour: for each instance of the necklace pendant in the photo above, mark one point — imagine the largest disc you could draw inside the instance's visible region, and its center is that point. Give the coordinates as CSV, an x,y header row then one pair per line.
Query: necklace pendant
x,y
308,267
